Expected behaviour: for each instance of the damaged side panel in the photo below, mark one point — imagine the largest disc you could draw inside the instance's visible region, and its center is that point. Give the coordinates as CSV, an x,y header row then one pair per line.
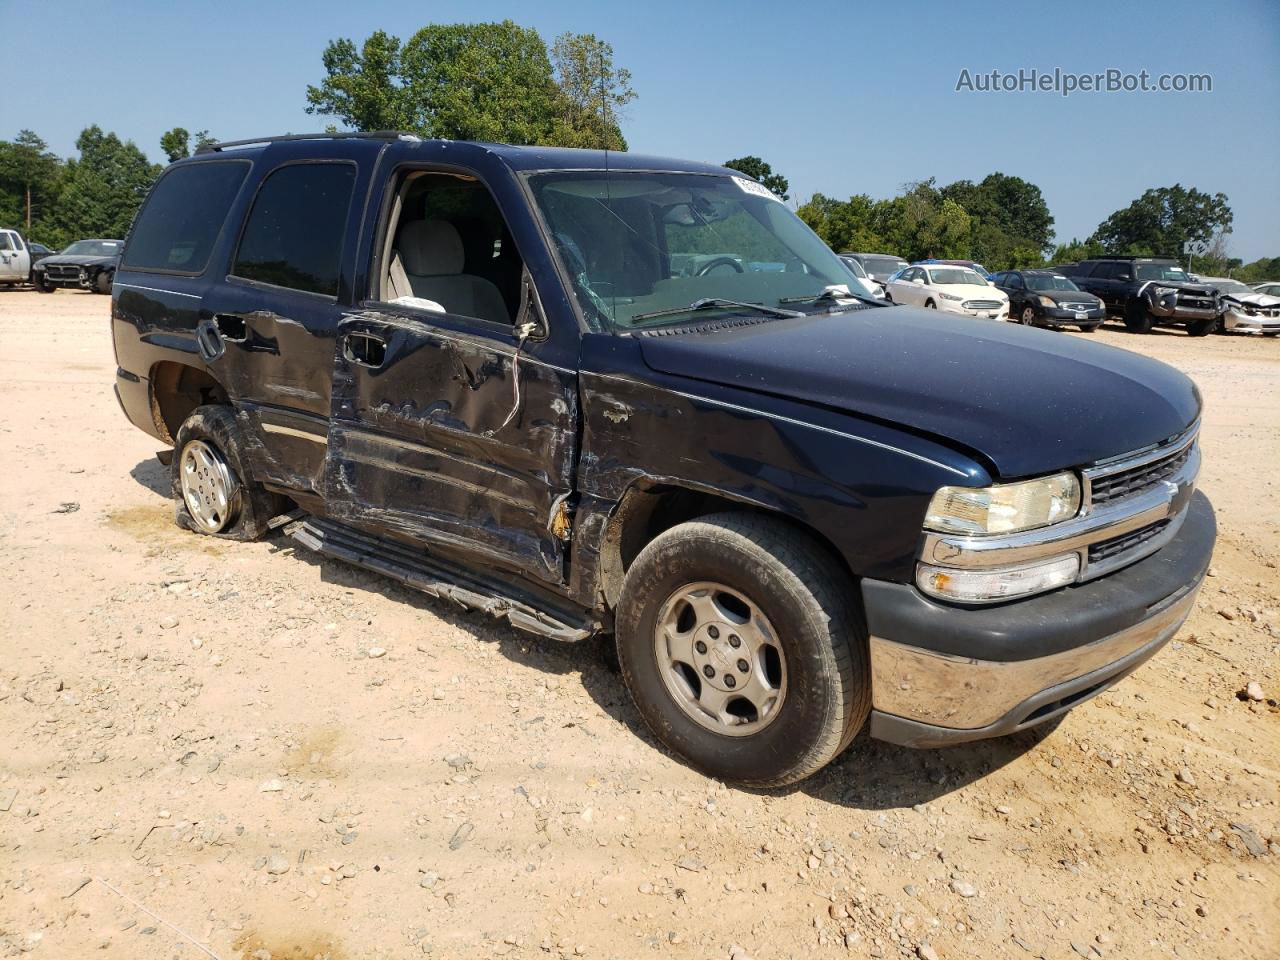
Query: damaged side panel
x,y
862,486
418,448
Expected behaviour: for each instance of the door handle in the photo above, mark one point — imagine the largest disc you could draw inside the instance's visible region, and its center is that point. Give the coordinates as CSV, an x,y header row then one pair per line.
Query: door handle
x,y
365,349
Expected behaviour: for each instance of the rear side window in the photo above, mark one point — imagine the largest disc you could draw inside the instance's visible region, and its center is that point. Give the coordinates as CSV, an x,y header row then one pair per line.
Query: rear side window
x,y
179,224
293,237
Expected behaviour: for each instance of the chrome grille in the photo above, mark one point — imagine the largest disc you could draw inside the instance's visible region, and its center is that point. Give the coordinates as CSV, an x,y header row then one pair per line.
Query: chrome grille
x,y
1196,301
63,271
1126,483
982,304
1079,306
1116,546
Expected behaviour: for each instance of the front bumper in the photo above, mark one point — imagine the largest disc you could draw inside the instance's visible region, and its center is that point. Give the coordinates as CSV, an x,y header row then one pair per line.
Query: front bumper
x,y
1056,315
1250,323
944,674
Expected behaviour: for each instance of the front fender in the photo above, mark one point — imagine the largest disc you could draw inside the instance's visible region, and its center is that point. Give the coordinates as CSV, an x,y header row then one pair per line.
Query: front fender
x,y
861,486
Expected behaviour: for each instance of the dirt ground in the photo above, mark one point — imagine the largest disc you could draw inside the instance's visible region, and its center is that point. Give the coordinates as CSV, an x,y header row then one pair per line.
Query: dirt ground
x,y
223,750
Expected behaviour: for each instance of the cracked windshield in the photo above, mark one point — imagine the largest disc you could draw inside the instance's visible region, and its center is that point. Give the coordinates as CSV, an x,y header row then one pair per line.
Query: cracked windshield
x,y
655,249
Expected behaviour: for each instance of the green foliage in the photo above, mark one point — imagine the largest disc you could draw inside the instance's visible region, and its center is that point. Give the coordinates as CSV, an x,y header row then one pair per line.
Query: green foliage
x,y
757,169
176,143
1266,268
591,92
1166,222
101,190
482,81
1009,214
28,179
1075,251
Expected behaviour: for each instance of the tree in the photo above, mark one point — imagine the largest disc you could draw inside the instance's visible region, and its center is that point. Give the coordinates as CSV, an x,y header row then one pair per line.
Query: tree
x,y
28,175
176,143
592,92
1011,224
364,88
102,188
1166,222
757,169
482,81
845,224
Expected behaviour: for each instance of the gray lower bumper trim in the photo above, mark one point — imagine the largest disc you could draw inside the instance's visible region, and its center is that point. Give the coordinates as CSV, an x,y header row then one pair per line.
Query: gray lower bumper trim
x,y
1033,711
970,696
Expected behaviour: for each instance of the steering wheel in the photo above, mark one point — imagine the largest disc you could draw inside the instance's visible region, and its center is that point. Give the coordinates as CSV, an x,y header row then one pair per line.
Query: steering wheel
x,y
719,262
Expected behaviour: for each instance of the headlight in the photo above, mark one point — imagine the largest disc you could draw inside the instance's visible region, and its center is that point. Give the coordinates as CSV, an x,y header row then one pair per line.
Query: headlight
x,y
1164,291
1047,302
949,296
1004,508
981,586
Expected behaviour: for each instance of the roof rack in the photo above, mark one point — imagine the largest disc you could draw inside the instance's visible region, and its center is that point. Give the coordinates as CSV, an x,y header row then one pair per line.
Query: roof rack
x,y
354,135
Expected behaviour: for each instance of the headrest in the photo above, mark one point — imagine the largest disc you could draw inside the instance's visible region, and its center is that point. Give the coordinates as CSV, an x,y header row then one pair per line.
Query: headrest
x,y
431,248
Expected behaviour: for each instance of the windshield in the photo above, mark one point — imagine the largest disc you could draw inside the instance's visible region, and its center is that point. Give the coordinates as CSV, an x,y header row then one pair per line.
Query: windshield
x,y
1232,286
855,266
639,243
882,268
1043,282
942,276
94,248
1161,271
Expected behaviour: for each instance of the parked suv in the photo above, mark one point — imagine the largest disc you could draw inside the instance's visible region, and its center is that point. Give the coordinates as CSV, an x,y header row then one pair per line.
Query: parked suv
x,y
473,369
1148,291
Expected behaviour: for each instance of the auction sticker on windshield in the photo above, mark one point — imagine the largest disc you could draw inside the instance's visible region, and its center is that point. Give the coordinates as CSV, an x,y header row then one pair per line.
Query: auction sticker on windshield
x,y
755,189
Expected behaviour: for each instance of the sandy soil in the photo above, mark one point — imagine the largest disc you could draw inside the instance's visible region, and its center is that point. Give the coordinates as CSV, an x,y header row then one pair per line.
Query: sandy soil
x,y
203,755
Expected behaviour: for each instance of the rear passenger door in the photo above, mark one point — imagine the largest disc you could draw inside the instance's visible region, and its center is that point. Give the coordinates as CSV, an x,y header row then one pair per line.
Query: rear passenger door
x,y
267,330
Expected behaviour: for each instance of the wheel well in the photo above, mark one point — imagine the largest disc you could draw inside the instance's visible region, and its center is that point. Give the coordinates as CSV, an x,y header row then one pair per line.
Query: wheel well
x,y
176,390
643,514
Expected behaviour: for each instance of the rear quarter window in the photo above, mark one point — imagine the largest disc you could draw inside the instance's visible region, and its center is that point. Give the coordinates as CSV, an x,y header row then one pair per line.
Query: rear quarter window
x,y
180,222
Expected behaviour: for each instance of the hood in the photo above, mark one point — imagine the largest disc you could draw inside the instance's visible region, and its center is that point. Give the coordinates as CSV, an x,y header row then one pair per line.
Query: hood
x,y
1257,299
1199,289
1031,401
77,260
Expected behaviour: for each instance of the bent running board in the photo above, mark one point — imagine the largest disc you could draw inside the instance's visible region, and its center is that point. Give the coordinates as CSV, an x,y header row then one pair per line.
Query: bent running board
x,y
432,576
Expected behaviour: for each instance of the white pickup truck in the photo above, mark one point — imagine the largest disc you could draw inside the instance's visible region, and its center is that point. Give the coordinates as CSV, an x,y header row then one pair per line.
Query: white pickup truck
x,y
15,258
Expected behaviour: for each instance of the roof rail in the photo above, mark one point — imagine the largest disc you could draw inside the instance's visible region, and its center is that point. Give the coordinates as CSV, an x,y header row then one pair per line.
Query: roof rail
x,y
354,135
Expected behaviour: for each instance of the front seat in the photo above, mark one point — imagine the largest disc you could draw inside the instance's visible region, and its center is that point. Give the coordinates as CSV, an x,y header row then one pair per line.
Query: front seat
x,y
432,256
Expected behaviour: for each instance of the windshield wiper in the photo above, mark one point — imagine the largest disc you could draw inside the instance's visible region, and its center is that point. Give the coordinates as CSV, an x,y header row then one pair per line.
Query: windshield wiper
x,y
830,294
713,303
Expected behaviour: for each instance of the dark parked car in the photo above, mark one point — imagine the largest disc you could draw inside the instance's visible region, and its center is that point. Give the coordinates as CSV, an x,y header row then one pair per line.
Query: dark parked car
x,y
86,264
473,369
1148,292
1045,298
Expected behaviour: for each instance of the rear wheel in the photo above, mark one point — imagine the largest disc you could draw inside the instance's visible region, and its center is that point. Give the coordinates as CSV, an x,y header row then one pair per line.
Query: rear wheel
x,y
209,480
743,649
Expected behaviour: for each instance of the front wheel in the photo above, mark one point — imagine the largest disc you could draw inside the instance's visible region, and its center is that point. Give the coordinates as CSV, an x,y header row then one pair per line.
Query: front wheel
x,y
43,285
744,649
1137,319
1202,328
1028,318
102,283
931,305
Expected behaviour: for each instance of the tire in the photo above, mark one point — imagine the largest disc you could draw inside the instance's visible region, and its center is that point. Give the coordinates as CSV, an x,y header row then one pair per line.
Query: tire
x,y
1202,328
245,510
929,304
820,672
102,283
1136,318
1028,317
43,286
1089,327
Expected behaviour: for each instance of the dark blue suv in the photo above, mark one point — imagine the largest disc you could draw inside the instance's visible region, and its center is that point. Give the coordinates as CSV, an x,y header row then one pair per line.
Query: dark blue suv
x,y
595,392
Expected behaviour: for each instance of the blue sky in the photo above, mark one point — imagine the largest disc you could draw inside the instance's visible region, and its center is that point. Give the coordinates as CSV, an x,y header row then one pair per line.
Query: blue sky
x,y
840,97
